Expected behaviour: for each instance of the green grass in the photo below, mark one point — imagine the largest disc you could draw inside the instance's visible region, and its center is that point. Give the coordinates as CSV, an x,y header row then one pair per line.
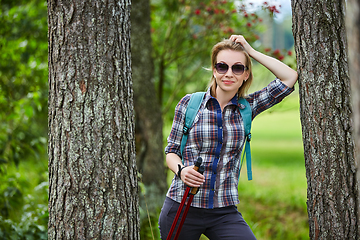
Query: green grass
x,y
274,202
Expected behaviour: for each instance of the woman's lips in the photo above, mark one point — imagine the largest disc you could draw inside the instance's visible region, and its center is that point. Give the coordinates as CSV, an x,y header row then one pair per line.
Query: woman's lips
x,y
227,82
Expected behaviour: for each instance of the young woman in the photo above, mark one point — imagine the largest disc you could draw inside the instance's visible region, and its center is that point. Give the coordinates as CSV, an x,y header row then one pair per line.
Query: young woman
x,y
217,136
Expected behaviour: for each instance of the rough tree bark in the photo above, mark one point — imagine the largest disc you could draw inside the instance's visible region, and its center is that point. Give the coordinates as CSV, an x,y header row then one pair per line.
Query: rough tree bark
x,y
149,137
325,106
93,189
353,34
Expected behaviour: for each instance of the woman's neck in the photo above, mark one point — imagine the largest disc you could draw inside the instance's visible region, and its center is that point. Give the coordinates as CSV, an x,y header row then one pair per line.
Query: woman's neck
x,y
223,97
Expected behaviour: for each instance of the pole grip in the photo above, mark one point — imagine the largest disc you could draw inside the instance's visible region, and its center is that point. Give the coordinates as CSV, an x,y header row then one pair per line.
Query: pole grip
x,y
200,169
198,164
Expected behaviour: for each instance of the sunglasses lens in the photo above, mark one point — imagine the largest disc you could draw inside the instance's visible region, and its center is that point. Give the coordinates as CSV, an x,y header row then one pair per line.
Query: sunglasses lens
x,y
221,68
238,69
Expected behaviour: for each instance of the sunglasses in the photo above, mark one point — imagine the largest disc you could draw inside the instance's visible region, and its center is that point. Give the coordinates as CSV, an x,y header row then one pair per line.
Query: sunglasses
x,y
237,69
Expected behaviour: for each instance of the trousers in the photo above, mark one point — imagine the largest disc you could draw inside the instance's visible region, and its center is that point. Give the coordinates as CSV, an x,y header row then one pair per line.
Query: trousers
x,y
224,223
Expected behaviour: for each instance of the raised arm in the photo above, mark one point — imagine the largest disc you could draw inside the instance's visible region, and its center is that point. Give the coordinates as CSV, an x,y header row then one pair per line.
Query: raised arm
x,y
286,74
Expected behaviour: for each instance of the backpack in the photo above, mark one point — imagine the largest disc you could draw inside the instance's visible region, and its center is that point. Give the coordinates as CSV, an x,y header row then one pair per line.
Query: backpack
x,y
246,114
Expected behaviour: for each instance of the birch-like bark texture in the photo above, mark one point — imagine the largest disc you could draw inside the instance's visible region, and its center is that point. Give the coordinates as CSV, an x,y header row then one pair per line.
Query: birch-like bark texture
x,y
353,34
325,109
93,189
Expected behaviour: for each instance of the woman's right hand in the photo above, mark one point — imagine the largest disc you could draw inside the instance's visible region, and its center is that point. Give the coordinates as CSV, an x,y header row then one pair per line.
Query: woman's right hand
x,y
191,177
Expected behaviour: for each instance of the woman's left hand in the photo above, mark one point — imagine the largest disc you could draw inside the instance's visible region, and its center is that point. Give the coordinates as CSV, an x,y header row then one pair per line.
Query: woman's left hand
x,y
240,39
287,75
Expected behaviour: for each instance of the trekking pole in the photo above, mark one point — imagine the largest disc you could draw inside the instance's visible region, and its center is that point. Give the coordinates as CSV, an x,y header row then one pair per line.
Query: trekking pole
x,y
178,213
187,191
192,194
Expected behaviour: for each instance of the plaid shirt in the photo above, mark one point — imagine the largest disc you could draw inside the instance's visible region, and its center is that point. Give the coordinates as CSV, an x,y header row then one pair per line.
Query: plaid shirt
x,y
218,138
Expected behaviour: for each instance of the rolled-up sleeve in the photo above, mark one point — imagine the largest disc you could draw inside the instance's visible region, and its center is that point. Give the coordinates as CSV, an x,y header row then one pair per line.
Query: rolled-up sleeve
x,y
174,139
267,97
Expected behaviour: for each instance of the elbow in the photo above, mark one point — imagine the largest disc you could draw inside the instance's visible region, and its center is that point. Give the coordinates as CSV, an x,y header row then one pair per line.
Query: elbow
x,y
292,79
295,77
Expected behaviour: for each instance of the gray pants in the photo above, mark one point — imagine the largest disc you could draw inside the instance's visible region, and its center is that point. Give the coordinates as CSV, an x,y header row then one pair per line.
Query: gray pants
x,y
217,223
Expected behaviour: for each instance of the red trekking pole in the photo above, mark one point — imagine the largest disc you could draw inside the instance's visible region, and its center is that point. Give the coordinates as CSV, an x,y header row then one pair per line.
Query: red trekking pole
x,y
193,191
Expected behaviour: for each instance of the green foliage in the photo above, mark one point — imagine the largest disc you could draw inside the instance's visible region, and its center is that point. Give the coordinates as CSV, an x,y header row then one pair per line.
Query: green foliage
x,y
150,197
32,225
149,226
23,216
183,33
23,119
23,81
11,196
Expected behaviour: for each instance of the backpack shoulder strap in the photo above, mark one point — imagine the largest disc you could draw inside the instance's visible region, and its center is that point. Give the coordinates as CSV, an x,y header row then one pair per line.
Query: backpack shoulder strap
x,y
190,114
246,114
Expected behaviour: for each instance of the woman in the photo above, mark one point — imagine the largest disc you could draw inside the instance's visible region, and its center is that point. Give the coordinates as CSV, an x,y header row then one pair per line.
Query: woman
x,y
217,136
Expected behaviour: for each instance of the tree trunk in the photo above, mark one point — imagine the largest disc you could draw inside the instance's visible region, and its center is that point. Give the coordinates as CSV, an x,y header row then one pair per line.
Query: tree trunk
x,y
325,109
149,137
353,34
93,189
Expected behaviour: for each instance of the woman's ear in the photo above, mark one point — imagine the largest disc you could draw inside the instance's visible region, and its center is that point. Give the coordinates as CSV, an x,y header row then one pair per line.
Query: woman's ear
x,y
247,74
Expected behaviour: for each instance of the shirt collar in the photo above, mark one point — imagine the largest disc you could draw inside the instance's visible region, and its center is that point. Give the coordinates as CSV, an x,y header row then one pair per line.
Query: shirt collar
x,y
233,101
208,95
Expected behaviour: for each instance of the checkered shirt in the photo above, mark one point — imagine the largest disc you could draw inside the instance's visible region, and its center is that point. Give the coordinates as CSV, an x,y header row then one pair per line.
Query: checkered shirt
x,y
218,138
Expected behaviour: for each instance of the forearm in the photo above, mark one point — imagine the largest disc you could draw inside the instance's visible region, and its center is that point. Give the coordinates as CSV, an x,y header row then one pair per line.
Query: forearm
x,y
189,176
173,160
286,74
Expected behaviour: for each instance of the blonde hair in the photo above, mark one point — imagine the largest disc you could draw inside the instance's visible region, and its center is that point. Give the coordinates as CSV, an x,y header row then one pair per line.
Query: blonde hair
x,y
230,45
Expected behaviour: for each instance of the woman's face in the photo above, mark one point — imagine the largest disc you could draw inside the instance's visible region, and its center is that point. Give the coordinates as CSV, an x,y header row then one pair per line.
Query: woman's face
x,y
229,82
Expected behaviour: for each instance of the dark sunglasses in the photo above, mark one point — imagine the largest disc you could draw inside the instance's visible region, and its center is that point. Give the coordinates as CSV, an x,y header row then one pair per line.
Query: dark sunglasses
x,y
237,69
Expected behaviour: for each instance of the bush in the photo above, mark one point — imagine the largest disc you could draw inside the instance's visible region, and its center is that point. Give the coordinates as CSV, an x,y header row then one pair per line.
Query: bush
x,y
23,216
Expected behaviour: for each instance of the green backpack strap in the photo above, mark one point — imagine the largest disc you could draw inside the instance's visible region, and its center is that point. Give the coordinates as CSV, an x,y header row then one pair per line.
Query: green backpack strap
x,y
190,114
246,114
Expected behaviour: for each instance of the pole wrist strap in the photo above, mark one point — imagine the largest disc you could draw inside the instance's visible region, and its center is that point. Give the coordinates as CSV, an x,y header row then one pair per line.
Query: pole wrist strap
x,y
179,171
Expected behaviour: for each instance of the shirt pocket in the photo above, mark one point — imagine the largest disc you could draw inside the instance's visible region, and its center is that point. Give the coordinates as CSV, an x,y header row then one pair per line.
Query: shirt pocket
x,y
234,134
206,132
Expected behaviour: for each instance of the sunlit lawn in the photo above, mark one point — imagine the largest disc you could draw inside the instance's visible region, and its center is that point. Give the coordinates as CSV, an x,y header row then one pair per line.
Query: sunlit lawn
x,y
274,203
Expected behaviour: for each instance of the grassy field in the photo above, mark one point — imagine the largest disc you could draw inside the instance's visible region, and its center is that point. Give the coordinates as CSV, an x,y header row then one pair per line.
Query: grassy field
x,y
274,203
